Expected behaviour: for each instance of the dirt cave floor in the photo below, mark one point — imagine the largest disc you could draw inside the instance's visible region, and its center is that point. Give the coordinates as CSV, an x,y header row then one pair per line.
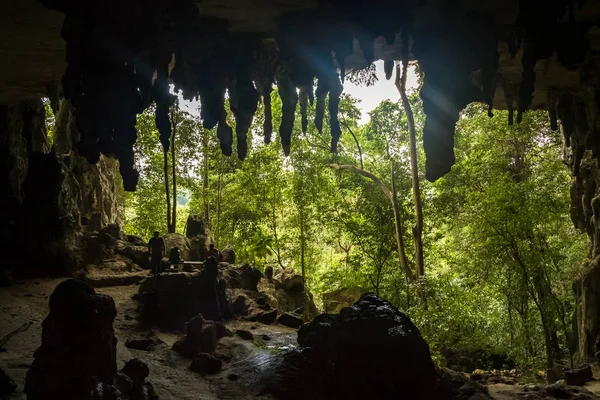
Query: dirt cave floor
x,y
27,301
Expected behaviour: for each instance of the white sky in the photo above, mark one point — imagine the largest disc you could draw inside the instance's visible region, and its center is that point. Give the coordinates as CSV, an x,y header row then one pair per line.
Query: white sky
x,y
370,96
382,90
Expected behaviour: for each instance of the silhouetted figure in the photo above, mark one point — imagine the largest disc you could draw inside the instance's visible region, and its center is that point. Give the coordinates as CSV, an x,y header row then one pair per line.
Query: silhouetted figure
x,y
157,249
269,273
214,252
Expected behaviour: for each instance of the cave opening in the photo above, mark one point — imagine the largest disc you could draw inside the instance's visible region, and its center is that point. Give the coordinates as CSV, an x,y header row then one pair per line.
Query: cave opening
x,y
319,235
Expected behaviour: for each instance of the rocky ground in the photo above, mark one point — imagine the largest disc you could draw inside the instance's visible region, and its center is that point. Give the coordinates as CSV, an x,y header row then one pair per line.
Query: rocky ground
x,y
248,354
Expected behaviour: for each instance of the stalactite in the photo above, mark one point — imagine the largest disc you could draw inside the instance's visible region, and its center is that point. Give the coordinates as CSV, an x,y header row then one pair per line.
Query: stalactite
x,y
265,65
321,93
334,101
225,136
243,97
388,67
163,100
289,99
303,99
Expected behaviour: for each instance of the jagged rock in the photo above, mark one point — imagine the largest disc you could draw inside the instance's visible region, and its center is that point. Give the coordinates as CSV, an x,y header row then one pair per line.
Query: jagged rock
x,y
228,255
7,385
269,273
290,320
288,279
78,351
194,226
200,336
177,240
170,300
239,305
264,317
244,334
333,302
137,253
112,272
367,343
556,391
136,241
137,371
456,386
140,343
579,376
250,277
206,364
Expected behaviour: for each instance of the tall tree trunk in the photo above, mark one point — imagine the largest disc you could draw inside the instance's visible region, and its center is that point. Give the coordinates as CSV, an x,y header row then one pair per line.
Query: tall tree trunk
x,y
274,217
302,243
167,189
219,191
418,228
205,179
173,223
391,195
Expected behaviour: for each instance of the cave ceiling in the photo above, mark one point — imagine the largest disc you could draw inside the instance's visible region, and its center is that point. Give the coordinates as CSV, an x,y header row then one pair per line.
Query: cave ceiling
x,y
113,58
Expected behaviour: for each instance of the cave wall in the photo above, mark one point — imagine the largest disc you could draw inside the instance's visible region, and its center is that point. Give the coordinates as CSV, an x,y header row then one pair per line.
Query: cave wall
x,y
577,115
50,196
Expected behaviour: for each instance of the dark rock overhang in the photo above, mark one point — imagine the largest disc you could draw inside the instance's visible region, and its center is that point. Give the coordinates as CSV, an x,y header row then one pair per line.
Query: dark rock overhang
x,y
120,56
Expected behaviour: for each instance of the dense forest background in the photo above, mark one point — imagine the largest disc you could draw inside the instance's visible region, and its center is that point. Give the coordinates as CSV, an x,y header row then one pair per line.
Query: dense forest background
x,y
499,250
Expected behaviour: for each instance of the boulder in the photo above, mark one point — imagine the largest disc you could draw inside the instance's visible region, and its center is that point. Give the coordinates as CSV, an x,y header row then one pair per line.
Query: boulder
x,y
250,276
135,388
112,272
136,241
269,273
244,334
333,302
290,320
137,253
146,344
286,278
264,317
555,391
228,255
7,385
78,353
369,350
177,240
194,226
296,301
201,336
170,300
579,376
456,386
205,363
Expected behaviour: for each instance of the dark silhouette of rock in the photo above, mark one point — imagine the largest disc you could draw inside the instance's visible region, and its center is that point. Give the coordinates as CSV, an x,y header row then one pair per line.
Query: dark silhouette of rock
x,y
555,391
250,277
369,350
194,226
205,363
239,305
579,376
290,320
264,317
140,343
170,300
456,386
7,385
201,336
136,388
136,241
269,273
78,351
228,255
244,334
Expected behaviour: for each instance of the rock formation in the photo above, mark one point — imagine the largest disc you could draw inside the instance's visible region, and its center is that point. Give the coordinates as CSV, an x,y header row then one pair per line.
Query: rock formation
x,y
174,300
77,358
